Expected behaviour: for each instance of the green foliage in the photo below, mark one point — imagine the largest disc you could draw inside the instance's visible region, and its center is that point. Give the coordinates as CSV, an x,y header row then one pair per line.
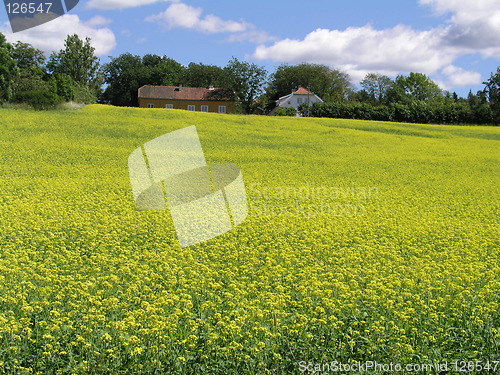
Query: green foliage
x,y
74,74
201,75
492,89
377,87
65,87
246,81
304,109
329,84
8,70
126,73
484,114
162,70
415,112
30,78
286,111
492,92
30,62
83,94
27,56
39,100
414,87
78,61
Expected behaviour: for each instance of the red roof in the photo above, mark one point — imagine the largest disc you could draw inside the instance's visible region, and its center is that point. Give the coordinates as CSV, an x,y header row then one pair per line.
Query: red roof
x,y
184,93
303,91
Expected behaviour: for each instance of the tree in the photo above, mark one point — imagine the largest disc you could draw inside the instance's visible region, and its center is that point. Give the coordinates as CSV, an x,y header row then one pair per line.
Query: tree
x,y
162,70
376,86
64,87
201,75
415,86
77,60
329,84
8,69
126,73
246,81
492,93
27,56
30,62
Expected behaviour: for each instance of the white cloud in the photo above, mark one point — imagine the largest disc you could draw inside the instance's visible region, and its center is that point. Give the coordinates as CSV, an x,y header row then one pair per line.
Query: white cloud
x,y
126,32
364,49
213,24
463,8
253,35
473,27
121,4
98,21
49,37
459,77
180,15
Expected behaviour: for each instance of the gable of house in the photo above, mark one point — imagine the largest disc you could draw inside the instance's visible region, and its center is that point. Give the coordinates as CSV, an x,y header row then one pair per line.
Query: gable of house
x,y
298,97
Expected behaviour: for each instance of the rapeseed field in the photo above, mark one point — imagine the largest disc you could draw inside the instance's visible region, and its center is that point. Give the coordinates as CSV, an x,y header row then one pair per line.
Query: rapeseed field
x,y
365,241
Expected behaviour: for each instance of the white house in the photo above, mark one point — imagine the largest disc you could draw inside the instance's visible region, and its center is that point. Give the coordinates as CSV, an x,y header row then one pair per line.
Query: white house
x,y
296,98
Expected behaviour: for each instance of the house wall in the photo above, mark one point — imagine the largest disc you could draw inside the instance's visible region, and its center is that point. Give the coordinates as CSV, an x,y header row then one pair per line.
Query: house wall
x,y
213,106
294,100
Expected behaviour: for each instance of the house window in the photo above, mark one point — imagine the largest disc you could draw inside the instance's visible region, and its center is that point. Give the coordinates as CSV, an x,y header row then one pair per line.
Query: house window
x,y
169,106
222,109
150,105
191,107
300,100
204,108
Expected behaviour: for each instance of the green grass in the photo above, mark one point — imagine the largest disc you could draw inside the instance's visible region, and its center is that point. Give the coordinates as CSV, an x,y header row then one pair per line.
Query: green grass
x,y
365,241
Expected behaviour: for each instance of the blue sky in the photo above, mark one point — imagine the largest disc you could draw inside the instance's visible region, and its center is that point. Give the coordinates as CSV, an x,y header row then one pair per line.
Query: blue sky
x,y
456,42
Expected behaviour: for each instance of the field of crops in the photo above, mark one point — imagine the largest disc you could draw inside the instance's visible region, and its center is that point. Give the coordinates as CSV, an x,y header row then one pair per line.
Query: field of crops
x,y
365,241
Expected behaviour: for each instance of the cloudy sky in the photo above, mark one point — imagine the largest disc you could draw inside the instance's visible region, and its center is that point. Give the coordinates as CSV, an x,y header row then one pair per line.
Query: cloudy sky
x,y
456,42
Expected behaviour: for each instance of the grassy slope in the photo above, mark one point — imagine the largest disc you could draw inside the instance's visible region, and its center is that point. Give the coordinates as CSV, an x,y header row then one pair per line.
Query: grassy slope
x,y
413,279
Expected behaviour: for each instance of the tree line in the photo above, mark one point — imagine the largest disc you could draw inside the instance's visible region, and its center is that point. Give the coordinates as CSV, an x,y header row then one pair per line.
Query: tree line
x,y
75,74
414,98
27,76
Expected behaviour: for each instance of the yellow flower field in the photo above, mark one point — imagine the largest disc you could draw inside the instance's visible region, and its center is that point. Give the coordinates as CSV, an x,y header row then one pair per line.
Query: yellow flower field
x,y
365,241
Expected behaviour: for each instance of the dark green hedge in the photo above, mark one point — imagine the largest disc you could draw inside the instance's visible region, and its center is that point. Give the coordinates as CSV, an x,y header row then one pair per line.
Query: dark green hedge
x,y
39,100
416,112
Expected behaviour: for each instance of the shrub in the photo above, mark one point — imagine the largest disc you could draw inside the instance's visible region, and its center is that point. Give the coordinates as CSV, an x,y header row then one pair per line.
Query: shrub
x,y
64,86
39,100
416,112
484,115
83,94
286,111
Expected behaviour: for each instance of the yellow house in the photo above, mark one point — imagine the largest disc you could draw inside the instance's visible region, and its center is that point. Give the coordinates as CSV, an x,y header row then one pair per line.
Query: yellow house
x,y
199,99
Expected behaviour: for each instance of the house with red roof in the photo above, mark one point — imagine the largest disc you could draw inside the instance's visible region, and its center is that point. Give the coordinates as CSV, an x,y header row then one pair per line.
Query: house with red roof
x,y
296,98
199,99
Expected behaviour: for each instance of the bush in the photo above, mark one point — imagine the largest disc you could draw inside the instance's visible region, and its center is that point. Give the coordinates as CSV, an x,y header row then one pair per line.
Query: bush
x,y
83,94
416,112
68,106
39,100
484,115
286,111
64,86
381,113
